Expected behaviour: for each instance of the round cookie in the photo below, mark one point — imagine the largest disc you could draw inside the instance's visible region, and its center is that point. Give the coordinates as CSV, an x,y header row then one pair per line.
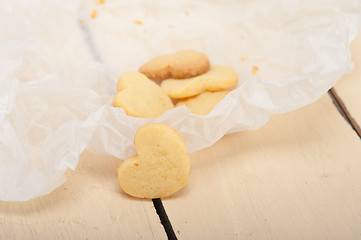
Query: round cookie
x,y
140,96
179,65
161,166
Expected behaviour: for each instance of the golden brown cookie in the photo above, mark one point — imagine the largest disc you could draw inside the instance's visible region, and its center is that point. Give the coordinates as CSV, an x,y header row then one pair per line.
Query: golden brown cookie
x,y
161,166
203,103
140,96
179,65
218,78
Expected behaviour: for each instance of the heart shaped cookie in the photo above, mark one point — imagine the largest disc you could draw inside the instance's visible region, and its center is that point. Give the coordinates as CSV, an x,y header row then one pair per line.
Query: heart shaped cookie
x,y
203,103
161,166
140,96
216,79
182,64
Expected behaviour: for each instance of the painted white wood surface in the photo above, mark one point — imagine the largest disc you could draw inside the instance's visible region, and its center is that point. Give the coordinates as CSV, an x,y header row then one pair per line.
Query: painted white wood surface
x,y
296,178
90,205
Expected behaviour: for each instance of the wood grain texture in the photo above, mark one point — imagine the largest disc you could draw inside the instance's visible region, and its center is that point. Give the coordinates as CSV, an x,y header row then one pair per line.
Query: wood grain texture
x,y
90,205
296,178
349,87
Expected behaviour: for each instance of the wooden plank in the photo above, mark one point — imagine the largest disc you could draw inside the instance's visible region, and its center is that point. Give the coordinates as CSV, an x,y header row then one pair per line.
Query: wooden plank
x,y
298,177
89,205
349,87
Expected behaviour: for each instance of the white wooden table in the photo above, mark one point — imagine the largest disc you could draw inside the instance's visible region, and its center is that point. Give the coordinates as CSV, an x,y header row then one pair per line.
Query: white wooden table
x,y
298,177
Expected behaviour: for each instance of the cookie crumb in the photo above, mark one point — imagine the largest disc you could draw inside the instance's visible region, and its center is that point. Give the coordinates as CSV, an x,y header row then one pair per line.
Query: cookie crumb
x,y
254,70
139,22
81,22
101,2
94,14
243,58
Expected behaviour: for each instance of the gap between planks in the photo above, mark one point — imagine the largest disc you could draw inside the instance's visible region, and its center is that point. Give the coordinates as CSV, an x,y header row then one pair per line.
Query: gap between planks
x,y
341,107
157,202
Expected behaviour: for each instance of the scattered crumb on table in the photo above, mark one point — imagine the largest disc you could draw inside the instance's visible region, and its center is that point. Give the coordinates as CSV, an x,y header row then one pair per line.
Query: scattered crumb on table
x,y
94,14
139,22
254,69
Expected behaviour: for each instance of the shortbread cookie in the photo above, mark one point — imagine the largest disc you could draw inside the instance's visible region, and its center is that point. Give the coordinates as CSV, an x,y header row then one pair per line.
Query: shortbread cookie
x,y
140,96
161,166
179,65
203,103
216,79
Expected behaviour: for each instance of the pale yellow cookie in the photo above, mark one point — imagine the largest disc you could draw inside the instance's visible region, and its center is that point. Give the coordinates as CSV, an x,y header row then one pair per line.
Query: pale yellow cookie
x,y
203,103
183,64
140,96
161,166
216,79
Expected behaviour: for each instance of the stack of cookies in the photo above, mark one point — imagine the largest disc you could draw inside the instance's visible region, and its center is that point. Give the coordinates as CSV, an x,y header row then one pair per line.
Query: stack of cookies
x,y
184,78
161,166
